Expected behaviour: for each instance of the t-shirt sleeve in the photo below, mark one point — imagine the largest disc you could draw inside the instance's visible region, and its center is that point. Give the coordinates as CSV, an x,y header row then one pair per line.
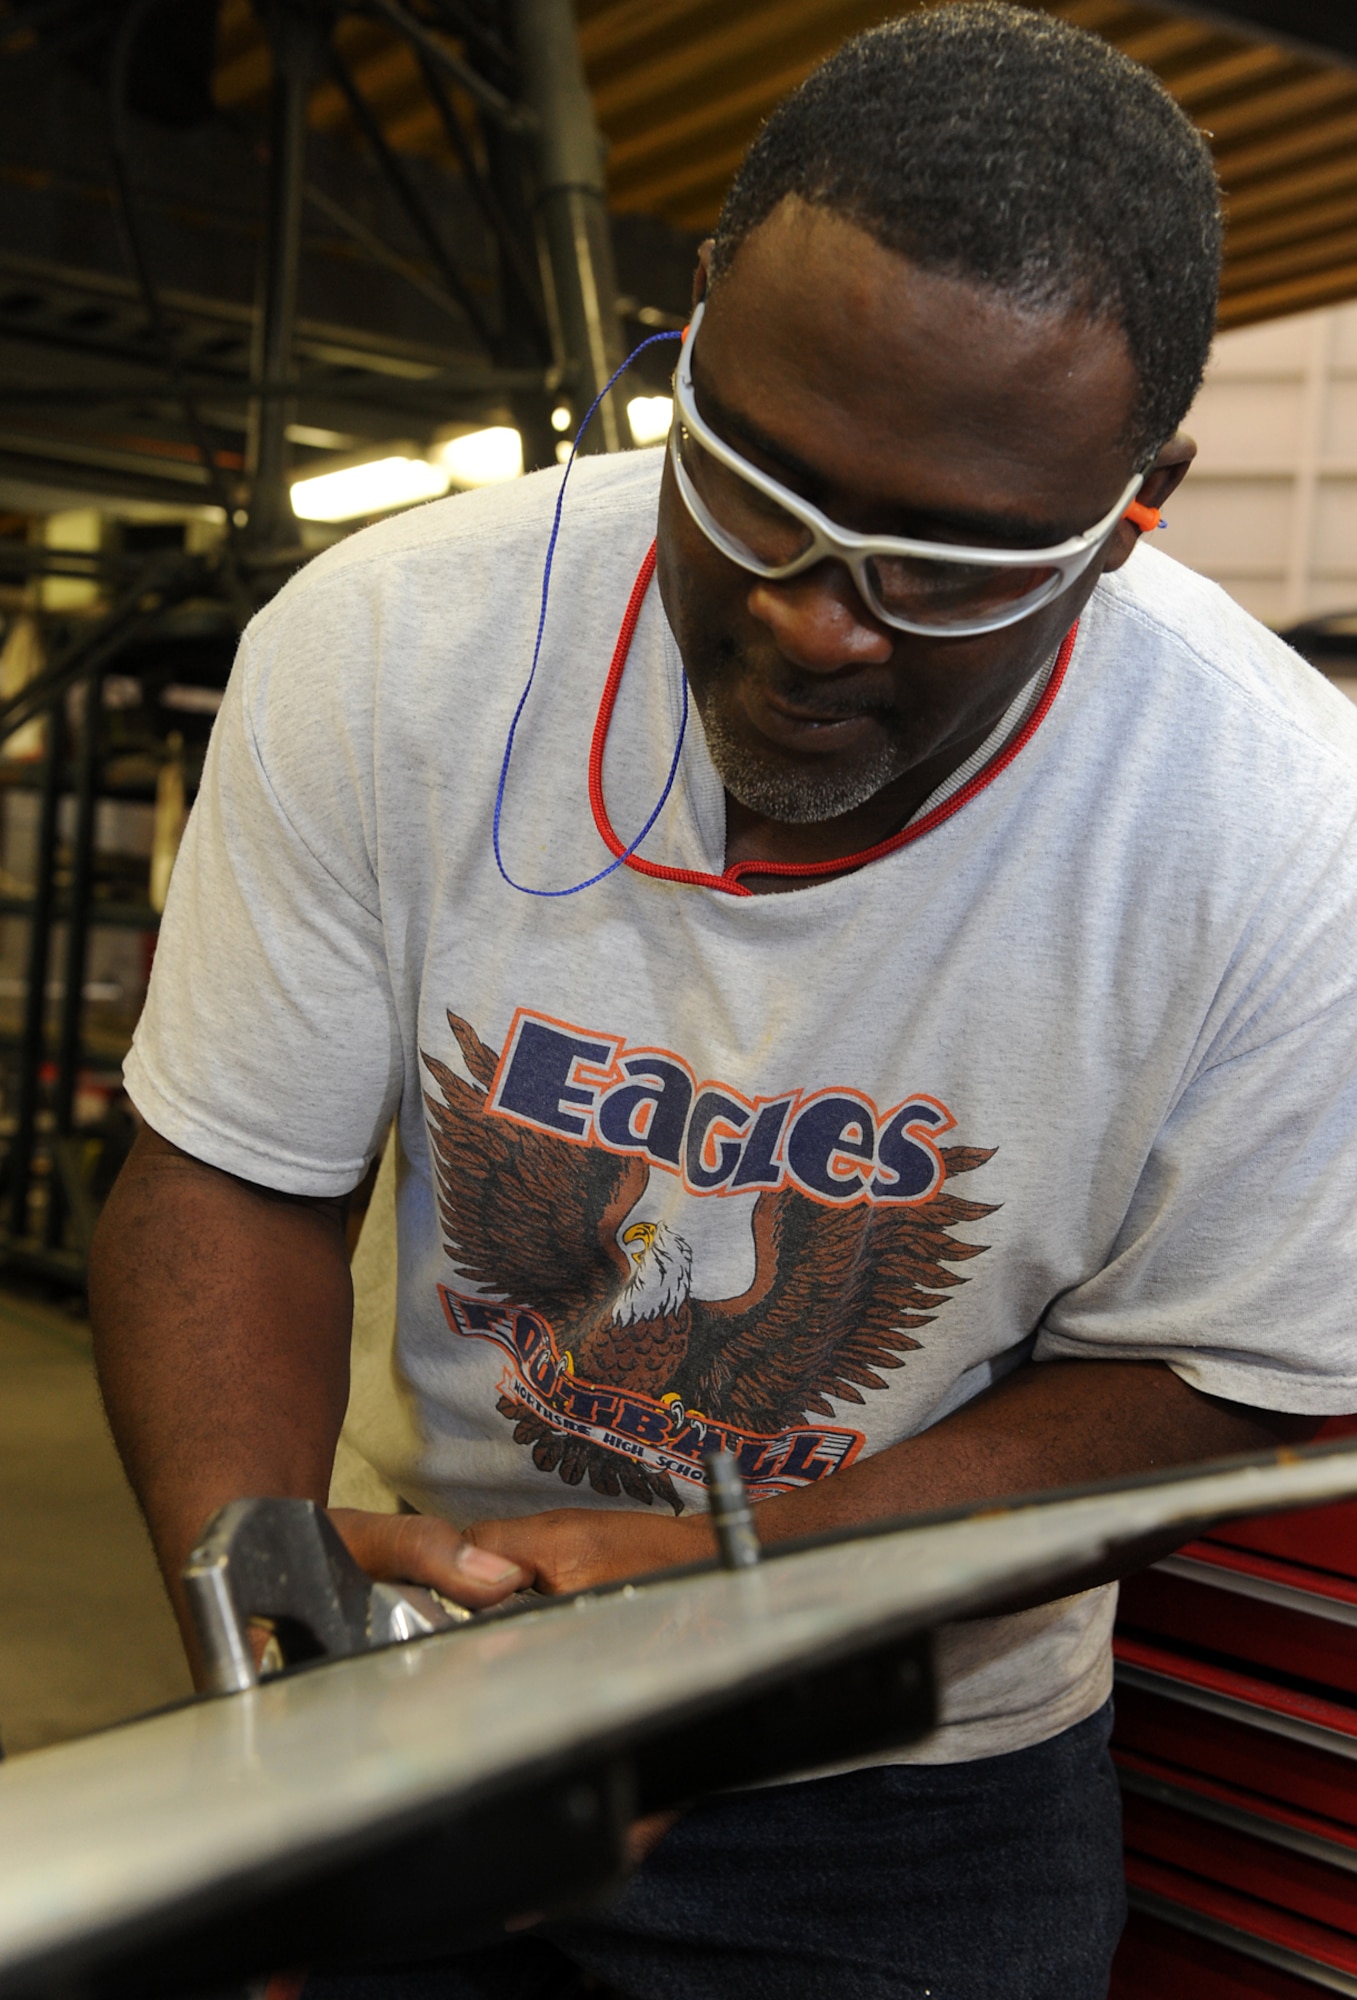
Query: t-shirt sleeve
x,y
269,1045
1237,1260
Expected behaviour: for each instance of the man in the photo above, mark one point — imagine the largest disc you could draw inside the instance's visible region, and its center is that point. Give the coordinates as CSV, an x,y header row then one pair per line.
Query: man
x,y
953,1093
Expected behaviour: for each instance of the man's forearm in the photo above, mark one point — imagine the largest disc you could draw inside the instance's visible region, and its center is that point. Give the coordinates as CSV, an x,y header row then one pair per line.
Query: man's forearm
x,y
222,1317
1050,1424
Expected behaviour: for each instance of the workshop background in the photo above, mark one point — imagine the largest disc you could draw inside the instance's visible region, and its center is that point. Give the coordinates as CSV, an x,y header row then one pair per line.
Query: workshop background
x,y
267,272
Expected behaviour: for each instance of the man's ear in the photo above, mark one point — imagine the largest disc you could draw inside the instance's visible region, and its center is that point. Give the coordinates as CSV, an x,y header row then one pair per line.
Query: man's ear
x,y
703,271
1164,478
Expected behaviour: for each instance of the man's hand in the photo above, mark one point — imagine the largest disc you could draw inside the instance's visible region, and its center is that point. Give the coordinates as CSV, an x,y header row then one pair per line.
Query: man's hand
x,y
421,1548
574,1548
571,1548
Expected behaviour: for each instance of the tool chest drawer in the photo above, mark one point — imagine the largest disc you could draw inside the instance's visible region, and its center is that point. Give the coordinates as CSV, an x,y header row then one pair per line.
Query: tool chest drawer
x,y
1171,1826
1164,1960
1322,1538
1249,1608
1236,1746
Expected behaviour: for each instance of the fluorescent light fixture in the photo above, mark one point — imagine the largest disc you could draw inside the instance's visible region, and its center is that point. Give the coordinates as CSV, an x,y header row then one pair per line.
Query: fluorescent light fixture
x,y
650,418
372,488
483,458
321,440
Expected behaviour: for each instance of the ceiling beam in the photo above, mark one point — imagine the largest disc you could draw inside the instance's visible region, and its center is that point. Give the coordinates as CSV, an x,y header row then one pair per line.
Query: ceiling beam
x,y
1100,17
418,129
1325,28
706,138
1259,156
387,357
620,30
1293,295
631,35
1163,42
1286,190
1211,75
47,477
774,33
244,75
1281,105
1320,254
1300,224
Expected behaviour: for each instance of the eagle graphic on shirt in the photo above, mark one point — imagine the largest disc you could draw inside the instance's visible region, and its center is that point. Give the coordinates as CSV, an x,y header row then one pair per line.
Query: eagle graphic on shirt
x,y
617,1372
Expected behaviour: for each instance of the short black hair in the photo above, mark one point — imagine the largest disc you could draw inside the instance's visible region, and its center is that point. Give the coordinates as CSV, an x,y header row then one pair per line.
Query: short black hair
x,y
1007,147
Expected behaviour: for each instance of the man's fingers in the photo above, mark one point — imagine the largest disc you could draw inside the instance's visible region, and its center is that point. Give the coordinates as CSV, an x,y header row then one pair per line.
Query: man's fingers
x,y
645,1835
578,1548
534,1542
420,1548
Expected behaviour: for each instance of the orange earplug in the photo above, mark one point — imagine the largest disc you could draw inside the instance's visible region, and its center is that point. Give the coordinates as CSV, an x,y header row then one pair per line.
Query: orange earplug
x,y
1142,517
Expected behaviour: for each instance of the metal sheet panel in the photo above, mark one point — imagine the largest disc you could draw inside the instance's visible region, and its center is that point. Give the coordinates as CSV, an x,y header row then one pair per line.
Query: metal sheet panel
x,y
123,1827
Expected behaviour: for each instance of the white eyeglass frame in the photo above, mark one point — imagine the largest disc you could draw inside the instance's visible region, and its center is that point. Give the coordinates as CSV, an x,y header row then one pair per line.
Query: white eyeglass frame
x,y
1067,560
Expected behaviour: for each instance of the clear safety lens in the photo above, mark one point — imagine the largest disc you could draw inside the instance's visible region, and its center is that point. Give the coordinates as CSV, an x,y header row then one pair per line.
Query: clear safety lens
x,y
758,531
928,590
752,522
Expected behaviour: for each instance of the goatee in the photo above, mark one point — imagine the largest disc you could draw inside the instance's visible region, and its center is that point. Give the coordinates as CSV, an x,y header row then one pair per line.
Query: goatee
x,y
787,793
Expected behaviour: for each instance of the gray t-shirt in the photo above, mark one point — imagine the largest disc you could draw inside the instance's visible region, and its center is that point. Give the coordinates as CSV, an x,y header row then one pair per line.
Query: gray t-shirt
x,y
1071,1071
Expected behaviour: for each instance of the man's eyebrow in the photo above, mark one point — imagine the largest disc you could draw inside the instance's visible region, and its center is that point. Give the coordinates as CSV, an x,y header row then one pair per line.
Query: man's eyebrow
x,y
737,429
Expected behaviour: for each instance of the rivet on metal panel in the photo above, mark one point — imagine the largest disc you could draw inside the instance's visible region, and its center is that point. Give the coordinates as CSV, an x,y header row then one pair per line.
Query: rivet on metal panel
x,y
731,1515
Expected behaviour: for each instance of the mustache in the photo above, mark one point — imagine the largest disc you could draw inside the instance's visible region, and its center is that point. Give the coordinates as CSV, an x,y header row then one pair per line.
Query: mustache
x,y
809,697
810,694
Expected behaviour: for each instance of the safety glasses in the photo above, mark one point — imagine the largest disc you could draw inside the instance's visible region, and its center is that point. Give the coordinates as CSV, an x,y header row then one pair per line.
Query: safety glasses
x,y
918,586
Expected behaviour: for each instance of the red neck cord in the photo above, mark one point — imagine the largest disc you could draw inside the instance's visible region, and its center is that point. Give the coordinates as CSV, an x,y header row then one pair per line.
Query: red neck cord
x,y
730,883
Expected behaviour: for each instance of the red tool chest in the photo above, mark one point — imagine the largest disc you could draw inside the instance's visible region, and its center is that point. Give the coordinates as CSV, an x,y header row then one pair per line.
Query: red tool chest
x,y
1236,1743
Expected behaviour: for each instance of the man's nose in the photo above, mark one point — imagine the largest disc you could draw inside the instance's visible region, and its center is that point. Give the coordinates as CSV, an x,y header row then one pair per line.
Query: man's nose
x,y
819,622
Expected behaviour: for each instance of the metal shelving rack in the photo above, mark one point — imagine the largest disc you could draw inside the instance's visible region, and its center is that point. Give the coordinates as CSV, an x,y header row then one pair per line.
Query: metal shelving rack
x,y
506,79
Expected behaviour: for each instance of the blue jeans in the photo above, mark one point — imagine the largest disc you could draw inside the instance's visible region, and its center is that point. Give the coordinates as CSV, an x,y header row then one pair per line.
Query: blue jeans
x,y
994,1880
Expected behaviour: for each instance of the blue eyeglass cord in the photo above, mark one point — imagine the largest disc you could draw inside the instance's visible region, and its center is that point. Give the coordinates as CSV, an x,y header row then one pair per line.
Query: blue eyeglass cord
x,y
626,855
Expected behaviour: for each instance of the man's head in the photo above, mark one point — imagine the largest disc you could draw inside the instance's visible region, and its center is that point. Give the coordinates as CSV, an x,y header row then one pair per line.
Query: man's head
x,y
1009,148
945,300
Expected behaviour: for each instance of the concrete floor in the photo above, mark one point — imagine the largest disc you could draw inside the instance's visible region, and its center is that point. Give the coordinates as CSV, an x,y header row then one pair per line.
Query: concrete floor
x,y
86,1635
